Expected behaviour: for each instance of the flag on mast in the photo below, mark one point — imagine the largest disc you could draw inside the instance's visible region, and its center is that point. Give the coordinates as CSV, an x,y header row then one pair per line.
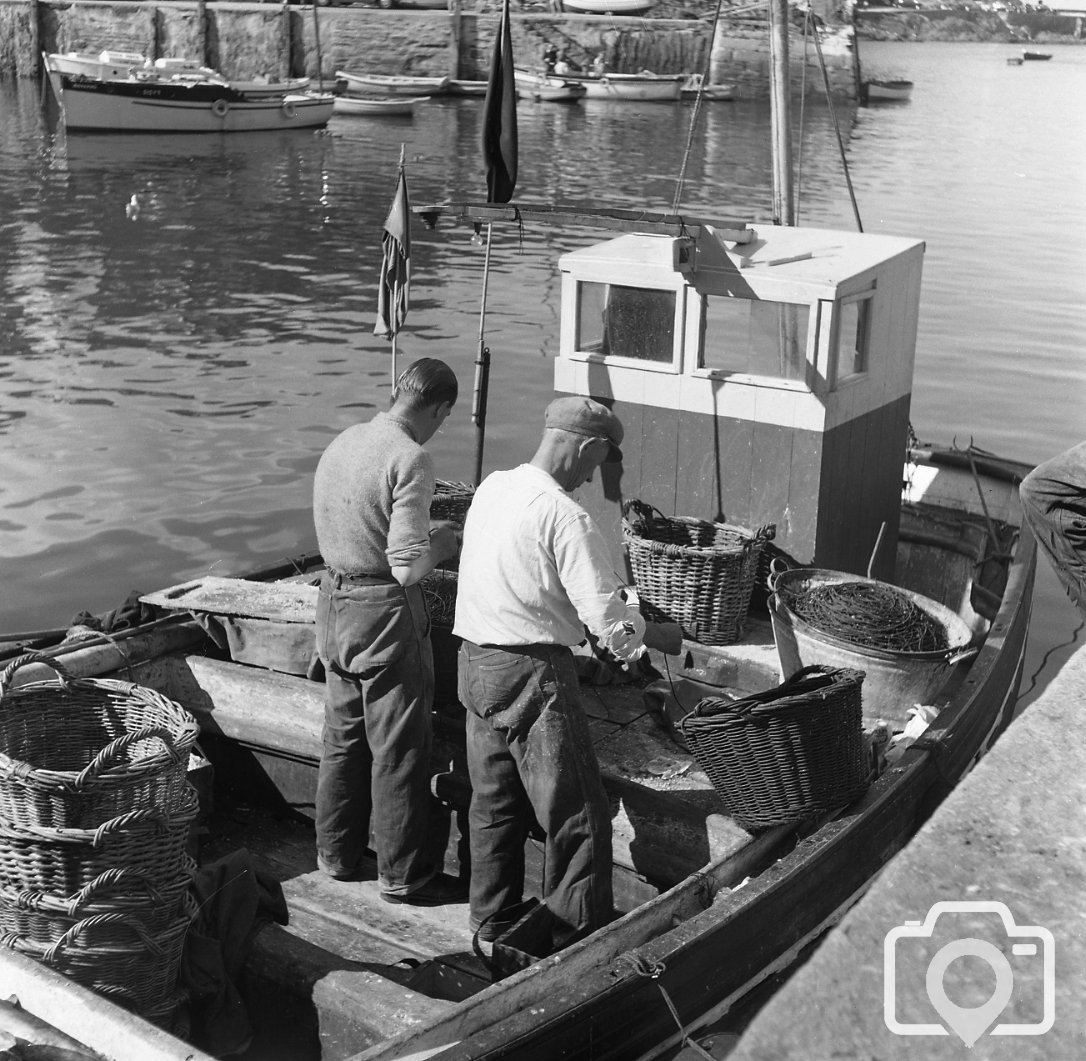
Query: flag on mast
x,y
395,283
500,117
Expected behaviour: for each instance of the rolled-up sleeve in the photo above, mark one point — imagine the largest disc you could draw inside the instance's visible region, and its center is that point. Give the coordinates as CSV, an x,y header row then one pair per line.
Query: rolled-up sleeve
x,y
412,488
587,575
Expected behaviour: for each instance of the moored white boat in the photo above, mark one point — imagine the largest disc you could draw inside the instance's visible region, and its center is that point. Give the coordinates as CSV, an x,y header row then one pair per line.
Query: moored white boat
x,y
379,105
391,84
547,87
643,87
607,7
156,106
259,89
876,90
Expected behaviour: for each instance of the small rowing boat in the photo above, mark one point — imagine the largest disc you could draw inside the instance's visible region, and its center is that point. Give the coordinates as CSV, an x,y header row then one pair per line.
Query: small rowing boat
x,y
546,87
607,7
386,106
876,91
644,87
390,84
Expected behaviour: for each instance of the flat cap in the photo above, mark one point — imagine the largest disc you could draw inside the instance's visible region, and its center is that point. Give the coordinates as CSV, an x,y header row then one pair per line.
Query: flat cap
x,y
583,416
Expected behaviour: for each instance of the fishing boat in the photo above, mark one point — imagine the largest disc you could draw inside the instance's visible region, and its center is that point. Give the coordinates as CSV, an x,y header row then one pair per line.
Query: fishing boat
x,y
607,7
387,106
694,86
1036,57
196,105
875,91
808,414
391,84
547,87
122,66
642,87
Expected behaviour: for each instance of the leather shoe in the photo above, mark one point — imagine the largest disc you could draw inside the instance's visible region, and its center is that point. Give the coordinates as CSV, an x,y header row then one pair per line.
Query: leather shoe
x,y
439,890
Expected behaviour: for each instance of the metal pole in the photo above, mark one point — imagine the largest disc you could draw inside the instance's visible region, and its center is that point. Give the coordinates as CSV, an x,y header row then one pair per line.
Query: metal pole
x,y
482,370
781,126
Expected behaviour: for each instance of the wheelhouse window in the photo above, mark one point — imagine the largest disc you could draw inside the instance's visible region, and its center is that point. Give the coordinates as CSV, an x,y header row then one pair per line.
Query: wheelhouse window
x,y
754,337
631,322
851,354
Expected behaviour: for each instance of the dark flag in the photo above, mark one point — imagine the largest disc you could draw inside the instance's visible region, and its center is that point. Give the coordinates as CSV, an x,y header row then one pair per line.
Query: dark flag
x,y
500,118
395,282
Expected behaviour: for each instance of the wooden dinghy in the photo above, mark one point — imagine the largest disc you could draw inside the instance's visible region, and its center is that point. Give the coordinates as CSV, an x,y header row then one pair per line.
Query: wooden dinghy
x,y
387,106
643,87
875,91
390,84
707,908
547,87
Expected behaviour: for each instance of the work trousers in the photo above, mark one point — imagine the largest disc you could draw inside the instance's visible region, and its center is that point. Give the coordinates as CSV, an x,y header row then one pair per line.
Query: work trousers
x,y
1054,502
530,755
375,763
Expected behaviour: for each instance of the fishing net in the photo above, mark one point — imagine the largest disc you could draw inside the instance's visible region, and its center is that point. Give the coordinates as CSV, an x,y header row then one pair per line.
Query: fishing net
x,y
871,615
439,591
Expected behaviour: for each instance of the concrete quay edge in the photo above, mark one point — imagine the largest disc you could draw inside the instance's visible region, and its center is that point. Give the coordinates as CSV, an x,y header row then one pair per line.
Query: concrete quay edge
x,y
1012,832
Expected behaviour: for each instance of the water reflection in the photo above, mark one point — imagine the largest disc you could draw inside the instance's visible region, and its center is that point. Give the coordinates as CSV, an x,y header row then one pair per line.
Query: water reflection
x,y
167,381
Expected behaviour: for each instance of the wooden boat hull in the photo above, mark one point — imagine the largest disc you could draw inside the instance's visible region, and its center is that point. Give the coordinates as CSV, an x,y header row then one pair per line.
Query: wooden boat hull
x,y
693,86
642,88
200,107
875,91
1036,57
390,85
705,941
544,87
387,106
607,7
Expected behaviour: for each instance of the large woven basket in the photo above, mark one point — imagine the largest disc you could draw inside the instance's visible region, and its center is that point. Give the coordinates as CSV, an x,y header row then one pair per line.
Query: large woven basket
x,y
693,572
60,862
785,754
115,955
451,501
78,752
44,918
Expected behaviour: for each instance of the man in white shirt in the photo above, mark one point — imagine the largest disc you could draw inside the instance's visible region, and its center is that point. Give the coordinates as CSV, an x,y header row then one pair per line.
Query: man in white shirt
x,y
535,572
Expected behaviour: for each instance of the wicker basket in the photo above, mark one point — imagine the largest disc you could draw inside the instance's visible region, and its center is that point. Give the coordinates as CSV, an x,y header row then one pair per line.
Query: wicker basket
x,y
78,752
124,961
693,572
60,862
43,918
785,754
451,501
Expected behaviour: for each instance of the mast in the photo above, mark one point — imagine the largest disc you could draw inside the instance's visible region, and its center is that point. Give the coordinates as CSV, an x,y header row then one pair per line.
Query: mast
x,y
780,111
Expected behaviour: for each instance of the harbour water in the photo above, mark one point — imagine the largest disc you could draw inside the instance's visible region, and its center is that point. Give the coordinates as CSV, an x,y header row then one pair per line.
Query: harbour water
x,y
169,379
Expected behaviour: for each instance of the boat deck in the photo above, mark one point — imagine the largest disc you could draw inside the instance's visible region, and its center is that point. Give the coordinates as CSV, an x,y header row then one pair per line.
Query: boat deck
x,y
362,970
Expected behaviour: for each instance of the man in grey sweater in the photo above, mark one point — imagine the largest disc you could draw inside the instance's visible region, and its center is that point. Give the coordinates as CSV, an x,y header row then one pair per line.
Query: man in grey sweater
x,y
371,508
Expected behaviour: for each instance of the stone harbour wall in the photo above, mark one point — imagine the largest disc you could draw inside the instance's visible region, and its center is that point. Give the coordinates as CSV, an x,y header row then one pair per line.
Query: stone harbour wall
x,y
246,40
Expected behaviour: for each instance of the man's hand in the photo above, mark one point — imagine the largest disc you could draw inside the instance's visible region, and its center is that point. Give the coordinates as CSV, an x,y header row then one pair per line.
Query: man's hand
x,y
444,540
665,637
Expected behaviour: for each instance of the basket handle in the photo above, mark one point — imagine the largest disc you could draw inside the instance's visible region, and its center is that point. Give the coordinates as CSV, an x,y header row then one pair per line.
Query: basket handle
x,y
8,676
642,509
106,880
72,935
114,748
777,566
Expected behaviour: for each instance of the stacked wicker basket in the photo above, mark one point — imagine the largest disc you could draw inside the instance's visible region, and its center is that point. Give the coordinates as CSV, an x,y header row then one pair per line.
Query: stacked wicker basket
x,y
95,811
